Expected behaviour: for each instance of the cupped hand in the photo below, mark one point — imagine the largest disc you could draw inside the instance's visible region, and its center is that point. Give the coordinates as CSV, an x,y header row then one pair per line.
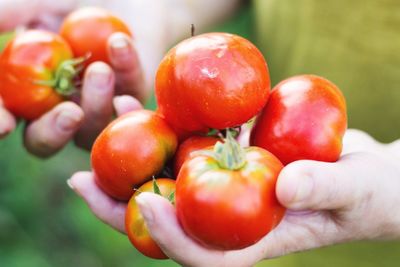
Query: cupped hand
x,y
84,119
328,203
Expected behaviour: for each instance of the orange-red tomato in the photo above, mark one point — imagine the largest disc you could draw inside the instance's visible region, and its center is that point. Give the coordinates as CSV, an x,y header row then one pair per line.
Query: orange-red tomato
x,y
305,118
130,150
213,80
136,228
190,145
229,209
28,66
87,31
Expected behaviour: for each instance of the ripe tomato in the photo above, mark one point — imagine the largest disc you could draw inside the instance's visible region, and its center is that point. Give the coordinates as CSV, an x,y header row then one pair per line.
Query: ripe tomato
x,y
190,145
213,80
229,202
87,31
305,118
135,225
36,69
130,150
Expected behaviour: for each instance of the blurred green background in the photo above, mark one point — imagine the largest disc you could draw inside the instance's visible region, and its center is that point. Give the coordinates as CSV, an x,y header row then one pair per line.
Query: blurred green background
x,y
43,223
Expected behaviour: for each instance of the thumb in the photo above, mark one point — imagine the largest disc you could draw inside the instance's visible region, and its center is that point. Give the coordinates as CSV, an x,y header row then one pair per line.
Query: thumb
x,y
314,185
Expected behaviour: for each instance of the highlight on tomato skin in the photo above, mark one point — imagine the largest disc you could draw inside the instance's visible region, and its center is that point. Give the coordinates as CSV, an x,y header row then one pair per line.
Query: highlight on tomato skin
x,y
87,30
136,228
229,203
211,81
305,118
130,151
32,74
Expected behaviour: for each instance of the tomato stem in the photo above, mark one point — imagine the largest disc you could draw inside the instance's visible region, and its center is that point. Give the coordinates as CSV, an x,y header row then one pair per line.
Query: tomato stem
x,y
230,155
64,77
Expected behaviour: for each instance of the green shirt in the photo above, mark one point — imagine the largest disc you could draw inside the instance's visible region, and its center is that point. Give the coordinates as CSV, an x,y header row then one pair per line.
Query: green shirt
x,y
355,44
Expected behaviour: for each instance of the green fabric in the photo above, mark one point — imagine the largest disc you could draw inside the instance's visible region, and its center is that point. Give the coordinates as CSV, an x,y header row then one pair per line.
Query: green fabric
x,y
356,44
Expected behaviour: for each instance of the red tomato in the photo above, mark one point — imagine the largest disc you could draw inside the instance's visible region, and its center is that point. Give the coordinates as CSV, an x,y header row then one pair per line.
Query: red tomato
x,y
87,31
214,80
190,145
227,206
130,150
135,225
33,69
305,118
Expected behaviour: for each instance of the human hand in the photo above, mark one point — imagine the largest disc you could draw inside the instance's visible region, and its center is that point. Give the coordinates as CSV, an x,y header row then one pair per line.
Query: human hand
x,y
328,203
49,133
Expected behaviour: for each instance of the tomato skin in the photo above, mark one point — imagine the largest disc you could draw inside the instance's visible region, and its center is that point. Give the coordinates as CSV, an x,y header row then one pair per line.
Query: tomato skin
x,y
134,223
190,145
226,209
31,56
213,80
87,31
305,118
130,150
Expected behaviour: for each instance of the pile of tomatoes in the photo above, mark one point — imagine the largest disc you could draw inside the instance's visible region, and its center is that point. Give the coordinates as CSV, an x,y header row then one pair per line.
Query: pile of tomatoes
x,y
207,87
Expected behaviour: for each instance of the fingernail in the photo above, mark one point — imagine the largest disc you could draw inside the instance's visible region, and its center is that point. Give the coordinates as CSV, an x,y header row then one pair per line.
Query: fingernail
x,y
99,76
145,209
70,184
304,189
120,46
68,120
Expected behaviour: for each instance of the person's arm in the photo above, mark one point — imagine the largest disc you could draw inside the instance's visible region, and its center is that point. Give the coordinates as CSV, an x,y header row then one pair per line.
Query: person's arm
x,y
355,198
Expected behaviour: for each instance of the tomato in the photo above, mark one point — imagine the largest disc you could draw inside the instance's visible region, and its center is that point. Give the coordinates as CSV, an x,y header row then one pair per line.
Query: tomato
x,y
130,150
36,70
87,31
135,225
226,199
190,145
305,118
213,80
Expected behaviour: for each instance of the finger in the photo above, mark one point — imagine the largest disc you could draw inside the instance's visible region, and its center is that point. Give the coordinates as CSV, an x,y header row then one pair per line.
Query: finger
x,y
125,103
96,102
53,130
15,13
7,121
108,210
318,185
126,64
165,229
355,141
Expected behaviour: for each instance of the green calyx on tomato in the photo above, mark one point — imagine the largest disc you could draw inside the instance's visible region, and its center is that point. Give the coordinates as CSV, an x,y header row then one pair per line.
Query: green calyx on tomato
x,y
156,190
65,75
229,154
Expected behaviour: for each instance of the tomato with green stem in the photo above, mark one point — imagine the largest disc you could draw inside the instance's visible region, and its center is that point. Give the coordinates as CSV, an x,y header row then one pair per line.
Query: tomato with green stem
x,y
225,197
305,118
211,81
37,72
136,228
130,150
87,31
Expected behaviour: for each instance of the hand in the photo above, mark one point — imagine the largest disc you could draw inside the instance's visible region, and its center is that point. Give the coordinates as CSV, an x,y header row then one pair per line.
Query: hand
x,y
353,199
101,82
